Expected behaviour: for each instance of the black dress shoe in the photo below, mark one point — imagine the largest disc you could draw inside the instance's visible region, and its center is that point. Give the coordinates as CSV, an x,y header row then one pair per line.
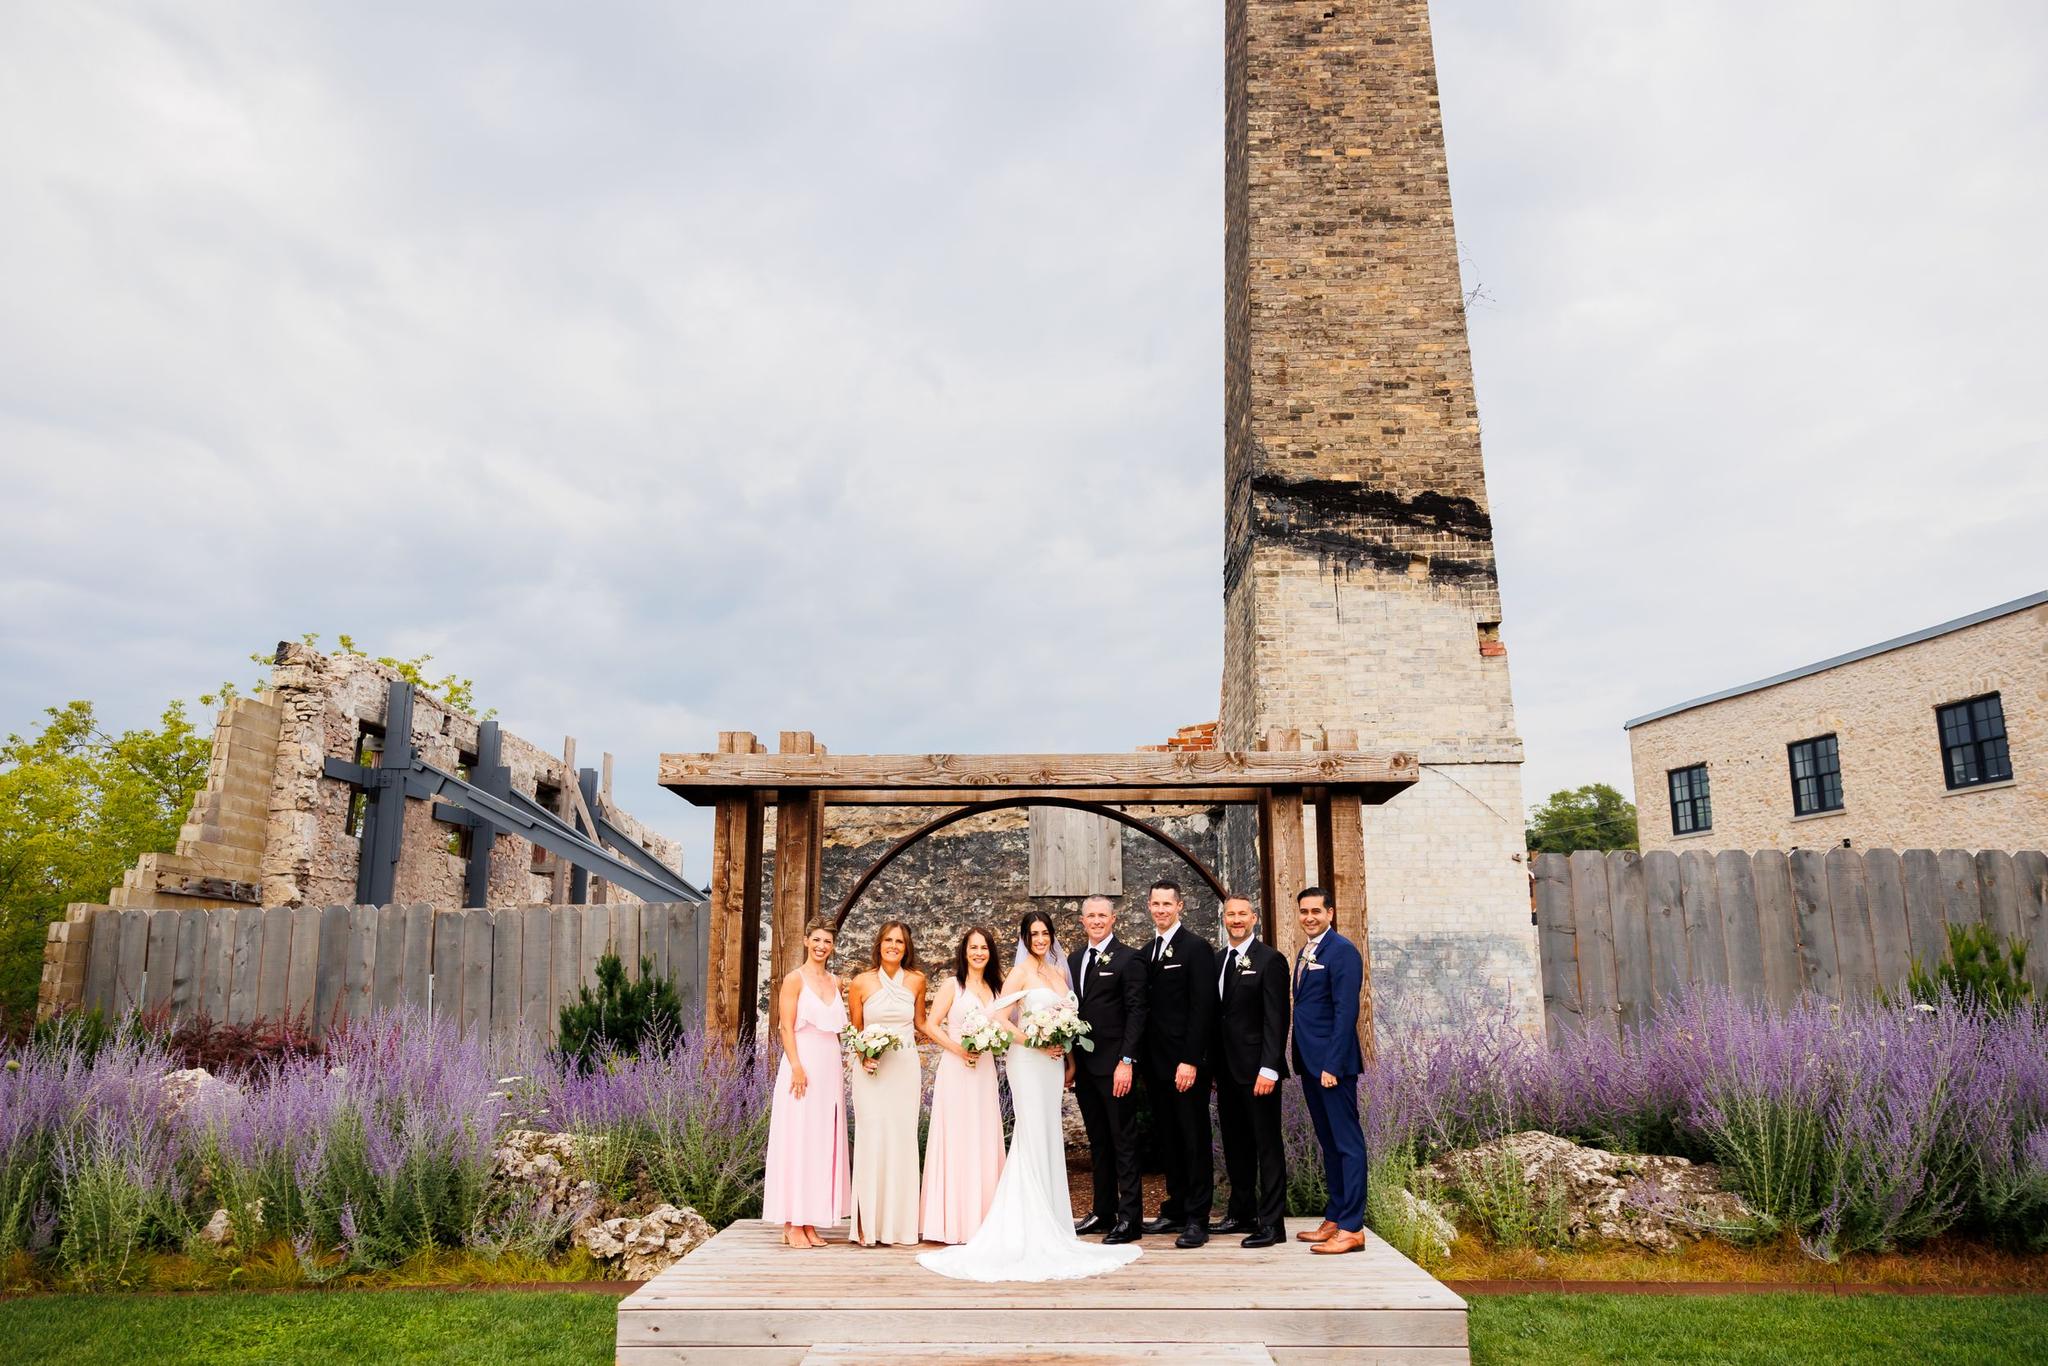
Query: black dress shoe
x,y
1124,1232
1162,1225
1232,1224
1265,1237
1194,1235
1094,1223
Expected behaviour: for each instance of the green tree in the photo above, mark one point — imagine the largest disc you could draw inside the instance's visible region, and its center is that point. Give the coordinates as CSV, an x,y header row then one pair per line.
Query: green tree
x,y
78,806
1591,817
453,689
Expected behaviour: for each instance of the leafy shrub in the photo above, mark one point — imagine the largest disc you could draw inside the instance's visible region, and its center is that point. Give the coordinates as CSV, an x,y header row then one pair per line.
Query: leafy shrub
x,y
1512,1210
1398,1220
1977,972
621,1017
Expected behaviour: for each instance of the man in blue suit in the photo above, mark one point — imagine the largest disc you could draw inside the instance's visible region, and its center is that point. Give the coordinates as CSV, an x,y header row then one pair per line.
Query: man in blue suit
x,y
1327,977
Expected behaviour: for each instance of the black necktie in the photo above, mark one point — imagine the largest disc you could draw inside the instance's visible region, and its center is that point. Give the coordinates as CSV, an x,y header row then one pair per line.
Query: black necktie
x,y
1088,968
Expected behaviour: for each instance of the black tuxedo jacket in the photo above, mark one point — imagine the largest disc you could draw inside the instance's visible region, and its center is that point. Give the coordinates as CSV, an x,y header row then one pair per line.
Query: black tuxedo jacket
x,y
1251,1025
1180,1005
1113,1003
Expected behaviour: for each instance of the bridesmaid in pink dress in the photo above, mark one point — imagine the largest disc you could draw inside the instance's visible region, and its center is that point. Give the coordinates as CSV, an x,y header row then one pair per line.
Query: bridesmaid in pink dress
x,y
964,1151
807,1182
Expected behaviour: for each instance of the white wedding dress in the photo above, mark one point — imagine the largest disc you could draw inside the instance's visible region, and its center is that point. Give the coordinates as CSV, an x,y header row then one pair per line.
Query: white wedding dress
x,y
1029,1232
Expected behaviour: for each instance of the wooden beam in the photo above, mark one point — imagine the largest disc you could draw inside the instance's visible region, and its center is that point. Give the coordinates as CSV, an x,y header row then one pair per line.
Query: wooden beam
x,y
726,905
746,986
560,895
1343,872
704,774
799,850
1107,796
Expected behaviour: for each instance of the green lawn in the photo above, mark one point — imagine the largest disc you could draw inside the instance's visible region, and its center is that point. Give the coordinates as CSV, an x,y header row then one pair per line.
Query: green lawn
x,y
513,1326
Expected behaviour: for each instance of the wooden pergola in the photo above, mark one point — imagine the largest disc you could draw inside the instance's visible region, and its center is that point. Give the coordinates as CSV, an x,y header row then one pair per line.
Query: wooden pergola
x,y
742,780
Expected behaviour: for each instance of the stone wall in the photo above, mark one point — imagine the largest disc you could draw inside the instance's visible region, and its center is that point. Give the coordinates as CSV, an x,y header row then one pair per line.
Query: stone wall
x,y
1882,709
1360,590
977,872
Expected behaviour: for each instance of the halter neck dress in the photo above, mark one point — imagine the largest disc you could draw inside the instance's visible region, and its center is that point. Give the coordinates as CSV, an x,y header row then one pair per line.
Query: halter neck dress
x,y
885,1110
963,1154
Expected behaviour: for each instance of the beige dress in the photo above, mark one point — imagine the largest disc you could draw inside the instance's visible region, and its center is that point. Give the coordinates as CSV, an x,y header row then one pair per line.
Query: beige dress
x,y
885,1106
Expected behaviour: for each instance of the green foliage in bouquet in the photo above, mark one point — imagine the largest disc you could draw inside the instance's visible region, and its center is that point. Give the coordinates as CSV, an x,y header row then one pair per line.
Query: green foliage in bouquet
x,y
1977,972
621,1017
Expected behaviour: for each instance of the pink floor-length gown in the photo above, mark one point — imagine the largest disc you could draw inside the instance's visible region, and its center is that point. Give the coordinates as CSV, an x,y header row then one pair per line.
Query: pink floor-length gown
x,y
807,1181
963,1156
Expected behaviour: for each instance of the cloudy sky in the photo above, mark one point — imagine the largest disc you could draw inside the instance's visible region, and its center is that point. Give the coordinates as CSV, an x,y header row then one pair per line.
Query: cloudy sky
x,y
671,368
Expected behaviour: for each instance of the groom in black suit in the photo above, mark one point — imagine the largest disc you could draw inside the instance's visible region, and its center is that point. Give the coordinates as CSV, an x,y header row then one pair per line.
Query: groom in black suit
x,y
1109,981
1180,1025
1250,1059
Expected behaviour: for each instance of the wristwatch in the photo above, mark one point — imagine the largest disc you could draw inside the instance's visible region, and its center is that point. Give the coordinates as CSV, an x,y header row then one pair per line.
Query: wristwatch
x,y
1127,1062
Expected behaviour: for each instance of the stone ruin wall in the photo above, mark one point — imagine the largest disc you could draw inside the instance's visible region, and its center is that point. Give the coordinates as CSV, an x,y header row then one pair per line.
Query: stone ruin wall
x,y
324,701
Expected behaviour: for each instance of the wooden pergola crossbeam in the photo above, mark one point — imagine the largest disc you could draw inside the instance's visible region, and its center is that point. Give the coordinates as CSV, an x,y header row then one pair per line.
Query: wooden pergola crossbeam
x,y
937,778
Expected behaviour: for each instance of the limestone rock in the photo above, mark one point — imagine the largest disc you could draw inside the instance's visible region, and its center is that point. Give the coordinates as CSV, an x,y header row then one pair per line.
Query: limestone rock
x,y
1437,1230
219,1231
1646,1201
181,1089
641,1248
542,1167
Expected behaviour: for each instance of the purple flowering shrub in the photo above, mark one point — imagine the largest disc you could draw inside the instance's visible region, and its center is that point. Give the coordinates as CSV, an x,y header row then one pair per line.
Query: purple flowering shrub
x,y
1859,1128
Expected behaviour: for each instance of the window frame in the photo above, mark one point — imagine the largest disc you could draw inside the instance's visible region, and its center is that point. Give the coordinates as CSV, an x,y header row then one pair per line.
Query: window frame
x,y
1818,776
1700,797
1975,745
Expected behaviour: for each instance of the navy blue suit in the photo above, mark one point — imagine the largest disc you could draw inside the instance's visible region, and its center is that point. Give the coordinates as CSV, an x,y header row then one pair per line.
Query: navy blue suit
x,y
1326,1040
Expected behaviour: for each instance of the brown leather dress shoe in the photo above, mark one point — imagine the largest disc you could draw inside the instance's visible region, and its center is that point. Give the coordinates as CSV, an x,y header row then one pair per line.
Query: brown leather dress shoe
x,y
1319,1233
1340,1241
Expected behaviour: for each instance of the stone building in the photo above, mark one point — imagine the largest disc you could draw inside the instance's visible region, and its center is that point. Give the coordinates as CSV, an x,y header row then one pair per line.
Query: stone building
x,y
1360,591
1935,740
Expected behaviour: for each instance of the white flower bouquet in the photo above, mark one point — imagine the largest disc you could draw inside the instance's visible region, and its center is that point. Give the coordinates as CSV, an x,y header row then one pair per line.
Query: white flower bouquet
x,y
1056,1027
984,1035
870,1043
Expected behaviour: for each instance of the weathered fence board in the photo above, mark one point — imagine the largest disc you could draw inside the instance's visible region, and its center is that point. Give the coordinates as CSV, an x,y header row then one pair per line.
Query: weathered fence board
x,y
1890,936
134,950
186,969
1598,993
565,962
1704,932
388,973
274,967
219,959
415,982
1670,961
505,939
331,970
535,945
1557,938
1959,887
162,950
1849,899
247,964
1632,987
301,984
2031,872
477,994
1619,935
1998,892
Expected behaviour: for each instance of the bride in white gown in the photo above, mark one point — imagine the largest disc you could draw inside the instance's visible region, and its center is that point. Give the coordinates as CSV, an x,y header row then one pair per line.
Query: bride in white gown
x,y
1029,1232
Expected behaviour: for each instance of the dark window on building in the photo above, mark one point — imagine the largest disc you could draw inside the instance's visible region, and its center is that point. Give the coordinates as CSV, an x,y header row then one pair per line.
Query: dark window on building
x,y
549,796
1691,811
1816,775
1973,742
369,753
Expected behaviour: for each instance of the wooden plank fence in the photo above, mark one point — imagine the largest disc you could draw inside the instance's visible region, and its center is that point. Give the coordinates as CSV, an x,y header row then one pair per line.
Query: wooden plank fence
x,y
1621,933
504,972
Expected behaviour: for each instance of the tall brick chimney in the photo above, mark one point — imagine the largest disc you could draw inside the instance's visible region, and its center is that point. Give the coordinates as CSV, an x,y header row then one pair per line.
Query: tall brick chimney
x,y
1359,584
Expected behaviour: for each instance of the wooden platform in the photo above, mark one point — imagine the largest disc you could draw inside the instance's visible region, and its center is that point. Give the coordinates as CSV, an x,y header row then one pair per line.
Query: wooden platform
x,y
744,1298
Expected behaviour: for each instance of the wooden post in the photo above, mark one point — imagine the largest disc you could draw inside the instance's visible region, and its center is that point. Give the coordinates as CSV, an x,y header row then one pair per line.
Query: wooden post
x,y
560,895
1340,867
1283,854
727,903
799,851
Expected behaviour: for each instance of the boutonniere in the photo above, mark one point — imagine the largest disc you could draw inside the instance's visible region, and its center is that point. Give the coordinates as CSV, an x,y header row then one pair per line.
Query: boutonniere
x,y
1102,959
1166,952
1308,955
1245,969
